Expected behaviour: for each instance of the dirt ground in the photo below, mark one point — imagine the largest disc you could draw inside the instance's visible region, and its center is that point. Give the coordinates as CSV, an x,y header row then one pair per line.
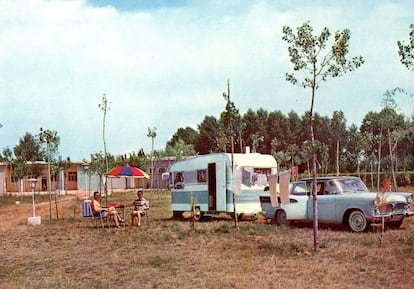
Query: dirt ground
x,y
168,253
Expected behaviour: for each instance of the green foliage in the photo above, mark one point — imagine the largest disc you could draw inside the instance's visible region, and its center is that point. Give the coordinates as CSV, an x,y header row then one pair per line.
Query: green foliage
x,y
403,179
306,54
28,148
187,135
406,50
97,164
59,165
138,160
7,155
180,149
208,132
51,140
230,124
26,153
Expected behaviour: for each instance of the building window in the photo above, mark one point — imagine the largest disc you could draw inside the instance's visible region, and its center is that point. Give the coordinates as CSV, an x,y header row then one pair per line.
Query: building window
x,y
14,179
161,170
72,177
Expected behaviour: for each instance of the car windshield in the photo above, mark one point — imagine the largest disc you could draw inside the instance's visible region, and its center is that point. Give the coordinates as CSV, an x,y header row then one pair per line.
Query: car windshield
x,y
348,185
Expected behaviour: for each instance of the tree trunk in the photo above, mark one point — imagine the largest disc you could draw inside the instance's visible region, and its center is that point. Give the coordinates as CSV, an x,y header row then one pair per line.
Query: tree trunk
x,y
314,194
379,163
105,107
337,157
48,182
372,175
394,180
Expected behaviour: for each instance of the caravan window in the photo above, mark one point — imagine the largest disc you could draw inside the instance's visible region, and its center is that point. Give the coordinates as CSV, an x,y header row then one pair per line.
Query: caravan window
x,y
255,176
190,177
179,180
201,176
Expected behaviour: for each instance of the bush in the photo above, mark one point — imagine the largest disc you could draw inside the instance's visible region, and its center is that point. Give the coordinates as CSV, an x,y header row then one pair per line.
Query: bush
x,y
403,179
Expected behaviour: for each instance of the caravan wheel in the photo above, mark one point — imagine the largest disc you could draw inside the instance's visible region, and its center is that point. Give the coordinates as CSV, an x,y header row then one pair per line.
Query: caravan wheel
x,y
177,215
239,216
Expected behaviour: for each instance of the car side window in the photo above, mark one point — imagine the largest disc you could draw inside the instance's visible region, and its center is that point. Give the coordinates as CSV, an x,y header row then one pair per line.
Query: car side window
x,y
299,189
333,188
320,188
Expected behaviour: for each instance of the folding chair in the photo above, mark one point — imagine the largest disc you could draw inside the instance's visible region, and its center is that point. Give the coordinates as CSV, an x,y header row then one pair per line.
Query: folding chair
x,y
144,216
86,212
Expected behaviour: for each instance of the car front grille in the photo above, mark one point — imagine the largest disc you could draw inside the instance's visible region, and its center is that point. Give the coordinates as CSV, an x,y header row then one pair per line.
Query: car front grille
x,y
392,209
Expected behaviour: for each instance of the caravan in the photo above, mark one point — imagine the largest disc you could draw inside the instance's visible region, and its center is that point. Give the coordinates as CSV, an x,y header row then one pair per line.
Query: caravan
x,y
208,181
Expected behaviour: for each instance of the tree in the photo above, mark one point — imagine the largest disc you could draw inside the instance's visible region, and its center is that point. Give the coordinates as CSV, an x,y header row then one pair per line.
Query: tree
x,y
406,51
6,156
50,138
104,106
97,165
57,167
229,122
188,135
138,160
306,53
228,126
255,131
208,133
338,129
276,127
152,134
389,128
25,152
180,149
295,130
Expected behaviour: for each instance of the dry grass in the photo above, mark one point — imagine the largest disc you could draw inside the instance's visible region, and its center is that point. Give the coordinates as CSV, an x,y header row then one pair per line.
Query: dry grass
x,y
168,253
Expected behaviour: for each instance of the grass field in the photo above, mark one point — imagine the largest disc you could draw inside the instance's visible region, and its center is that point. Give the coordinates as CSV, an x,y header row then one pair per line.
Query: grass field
x,y
167,253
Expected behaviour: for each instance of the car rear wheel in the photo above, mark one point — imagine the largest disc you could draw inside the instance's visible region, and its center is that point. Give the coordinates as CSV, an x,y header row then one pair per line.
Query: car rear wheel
x,y
280,218
357,221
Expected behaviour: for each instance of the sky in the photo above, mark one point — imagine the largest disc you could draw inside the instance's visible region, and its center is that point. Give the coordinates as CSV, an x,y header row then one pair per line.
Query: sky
x,y
165,64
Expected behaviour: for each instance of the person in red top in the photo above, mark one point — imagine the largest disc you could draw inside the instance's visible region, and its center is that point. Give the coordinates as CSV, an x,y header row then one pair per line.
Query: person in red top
x,y
98,211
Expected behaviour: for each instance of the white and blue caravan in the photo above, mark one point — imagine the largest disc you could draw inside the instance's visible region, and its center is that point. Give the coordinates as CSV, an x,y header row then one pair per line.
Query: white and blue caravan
x,y
210,181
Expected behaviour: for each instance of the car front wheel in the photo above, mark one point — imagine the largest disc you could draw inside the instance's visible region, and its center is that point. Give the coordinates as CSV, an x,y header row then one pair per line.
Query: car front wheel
x,y
357,221
280,218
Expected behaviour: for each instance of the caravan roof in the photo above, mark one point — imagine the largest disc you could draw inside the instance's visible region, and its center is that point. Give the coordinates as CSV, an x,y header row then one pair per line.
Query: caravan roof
x,y
255,160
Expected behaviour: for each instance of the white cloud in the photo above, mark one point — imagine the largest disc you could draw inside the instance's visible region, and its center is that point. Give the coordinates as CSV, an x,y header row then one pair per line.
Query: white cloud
x,y
168,67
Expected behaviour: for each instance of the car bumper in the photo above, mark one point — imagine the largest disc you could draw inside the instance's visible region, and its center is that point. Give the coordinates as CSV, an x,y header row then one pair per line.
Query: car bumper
x,y
391,217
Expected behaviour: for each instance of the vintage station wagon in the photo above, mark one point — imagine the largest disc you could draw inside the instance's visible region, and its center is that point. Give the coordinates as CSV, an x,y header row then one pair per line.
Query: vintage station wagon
x,y
341,200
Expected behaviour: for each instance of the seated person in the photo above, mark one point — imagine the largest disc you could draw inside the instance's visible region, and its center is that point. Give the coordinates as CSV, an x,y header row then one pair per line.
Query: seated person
x,y
320,188
140,206
100,212
178,181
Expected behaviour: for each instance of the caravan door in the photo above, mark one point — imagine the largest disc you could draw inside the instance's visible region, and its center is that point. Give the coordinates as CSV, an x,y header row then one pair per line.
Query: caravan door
x,y
217,186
